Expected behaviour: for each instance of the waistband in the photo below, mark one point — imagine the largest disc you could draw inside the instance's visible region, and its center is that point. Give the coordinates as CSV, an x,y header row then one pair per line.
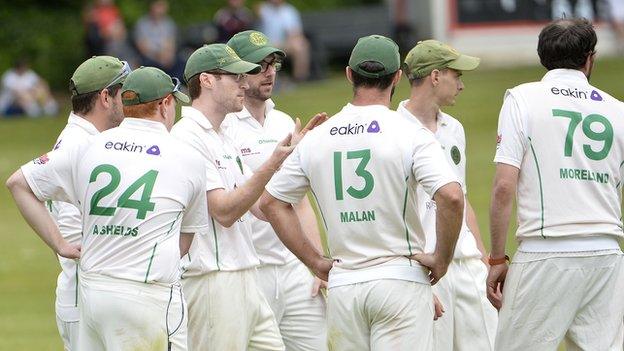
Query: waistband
x,y
569,244
104,282
415,273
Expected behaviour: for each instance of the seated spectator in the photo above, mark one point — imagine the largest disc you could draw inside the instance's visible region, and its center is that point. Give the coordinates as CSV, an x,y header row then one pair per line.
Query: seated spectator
x,y
233,18
155,37
24,92
281,23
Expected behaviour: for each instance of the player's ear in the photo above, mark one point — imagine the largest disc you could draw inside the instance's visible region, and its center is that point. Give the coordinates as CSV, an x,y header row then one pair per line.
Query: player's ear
x,y
397,77
435,77
206,80
349,74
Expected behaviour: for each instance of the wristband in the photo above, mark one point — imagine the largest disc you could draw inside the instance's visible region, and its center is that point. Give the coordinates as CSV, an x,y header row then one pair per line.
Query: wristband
x,y
497,261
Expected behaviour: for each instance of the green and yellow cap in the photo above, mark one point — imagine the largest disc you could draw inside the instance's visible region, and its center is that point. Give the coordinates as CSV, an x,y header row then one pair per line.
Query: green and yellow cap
x,y
217,56
431,54
149,84
376,48
97,73
253,46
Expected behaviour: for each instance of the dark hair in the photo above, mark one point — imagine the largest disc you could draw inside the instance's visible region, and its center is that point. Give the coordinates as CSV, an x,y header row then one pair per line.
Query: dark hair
x,y
381,83
194,88
566,43
84,103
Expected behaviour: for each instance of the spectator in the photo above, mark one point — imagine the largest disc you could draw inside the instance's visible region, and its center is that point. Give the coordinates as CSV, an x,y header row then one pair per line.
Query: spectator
x,y
281,22
24,92
155,36
616,16
232,19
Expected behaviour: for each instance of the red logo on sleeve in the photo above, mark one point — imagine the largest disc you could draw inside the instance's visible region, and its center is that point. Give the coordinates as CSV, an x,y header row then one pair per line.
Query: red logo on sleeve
x,y
498,139
41,160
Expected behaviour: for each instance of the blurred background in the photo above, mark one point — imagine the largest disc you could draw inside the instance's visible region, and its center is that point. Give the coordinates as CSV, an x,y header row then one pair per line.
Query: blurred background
x,y
44,41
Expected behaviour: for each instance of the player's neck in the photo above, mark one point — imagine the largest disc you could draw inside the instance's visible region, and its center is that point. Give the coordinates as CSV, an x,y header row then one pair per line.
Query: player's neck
x,y
366,96
257,109
424,107
212,111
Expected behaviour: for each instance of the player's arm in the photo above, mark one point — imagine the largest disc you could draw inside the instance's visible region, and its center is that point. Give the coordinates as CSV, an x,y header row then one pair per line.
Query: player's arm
x,y
288,228
228,206
36,215
503,194
307,217
473,225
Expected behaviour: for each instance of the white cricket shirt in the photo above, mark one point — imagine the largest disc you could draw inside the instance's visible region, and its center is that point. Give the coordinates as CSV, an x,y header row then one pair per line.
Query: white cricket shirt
x,y
68,218
222,249
256,143
363,166
133,198
450,134
565,137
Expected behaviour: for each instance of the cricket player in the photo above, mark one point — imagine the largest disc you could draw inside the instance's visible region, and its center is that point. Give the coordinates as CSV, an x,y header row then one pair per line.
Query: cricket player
x,y
469,322
363,166
134,204
291,290
559,149
227,309
96,106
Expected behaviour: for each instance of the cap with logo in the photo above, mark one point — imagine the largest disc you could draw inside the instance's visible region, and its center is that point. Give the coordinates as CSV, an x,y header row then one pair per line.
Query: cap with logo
x,y
253,46
149,84
376,48
217,56
431,54
97,73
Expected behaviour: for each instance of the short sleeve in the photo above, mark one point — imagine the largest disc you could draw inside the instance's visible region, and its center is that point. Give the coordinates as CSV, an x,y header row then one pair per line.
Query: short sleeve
x,y
511,141
213,178
290,184
50,176
430,168
195,218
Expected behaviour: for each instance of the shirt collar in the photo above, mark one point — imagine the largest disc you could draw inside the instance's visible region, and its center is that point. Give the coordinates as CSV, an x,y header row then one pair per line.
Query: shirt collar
x,y
197,116
442,120
244,113
573,75
351,107
82,123
143,124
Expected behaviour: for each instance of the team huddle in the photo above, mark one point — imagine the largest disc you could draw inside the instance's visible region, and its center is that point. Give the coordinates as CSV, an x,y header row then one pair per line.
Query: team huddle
x,y
199,235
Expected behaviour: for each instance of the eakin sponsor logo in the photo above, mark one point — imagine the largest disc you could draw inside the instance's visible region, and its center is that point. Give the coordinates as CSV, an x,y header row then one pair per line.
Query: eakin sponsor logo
x,y
132,147
356,128
576,93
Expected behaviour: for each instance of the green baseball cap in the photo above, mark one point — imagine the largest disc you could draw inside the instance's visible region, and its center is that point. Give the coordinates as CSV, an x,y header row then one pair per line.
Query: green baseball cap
x,y
253,46
431,54
97,73
217,56
375,48
149,84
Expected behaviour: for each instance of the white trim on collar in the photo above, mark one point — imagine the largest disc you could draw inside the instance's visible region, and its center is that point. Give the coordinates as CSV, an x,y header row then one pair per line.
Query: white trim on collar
x,y
82,123
197,116
143,124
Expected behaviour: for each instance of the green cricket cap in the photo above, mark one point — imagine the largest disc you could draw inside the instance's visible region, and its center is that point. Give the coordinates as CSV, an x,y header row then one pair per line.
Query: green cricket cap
x,y
217,56
97,73
253,46
431,54
149,84
376,48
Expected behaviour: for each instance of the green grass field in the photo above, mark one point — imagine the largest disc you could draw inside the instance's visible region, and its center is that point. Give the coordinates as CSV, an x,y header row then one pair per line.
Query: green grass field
x,y
28,269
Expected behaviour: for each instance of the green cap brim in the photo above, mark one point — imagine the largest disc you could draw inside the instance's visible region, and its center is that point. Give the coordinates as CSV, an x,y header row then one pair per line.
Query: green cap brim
x,y
465,63
261,53
180,96
242,67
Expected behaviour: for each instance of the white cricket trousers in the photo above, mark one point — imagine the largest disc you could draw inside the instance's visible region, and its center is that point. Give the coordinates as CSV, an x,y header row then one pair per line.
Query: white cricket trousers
x,y
122,315
469,319
301,317
69,334
380,315
550,297
227,311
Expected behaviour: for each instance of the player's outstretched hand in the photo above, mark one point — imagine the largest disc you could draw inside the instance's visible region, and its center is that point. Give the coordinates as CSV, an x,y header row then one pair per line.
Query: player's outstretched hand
x,y
322,267
314,122
318,285
67,250
437,267
495,282
437,307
